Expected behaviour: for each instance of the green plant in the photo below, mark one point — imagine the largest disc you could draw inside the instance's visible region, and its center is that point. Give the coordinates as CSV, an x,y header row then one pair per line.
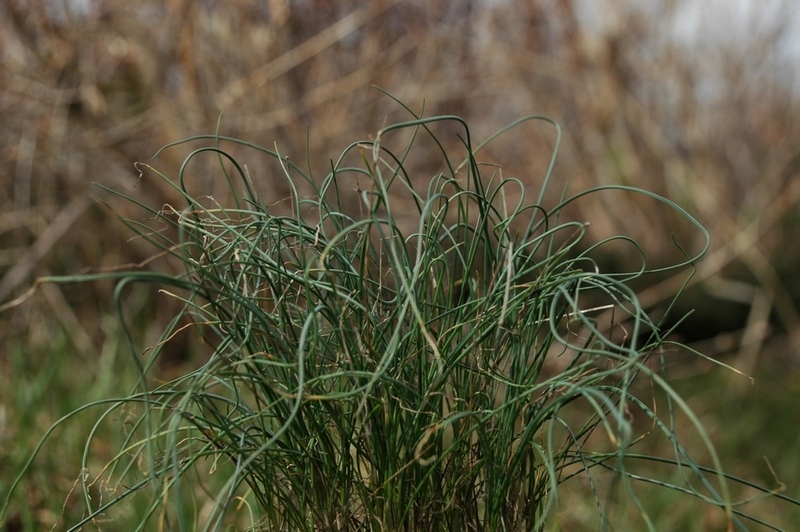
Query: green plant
x,y
367,373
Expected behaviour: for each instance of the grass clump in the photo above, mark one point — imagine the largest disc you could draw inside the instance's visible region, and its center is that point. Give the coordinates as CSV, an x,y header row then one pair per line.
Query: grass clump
x,y
371,374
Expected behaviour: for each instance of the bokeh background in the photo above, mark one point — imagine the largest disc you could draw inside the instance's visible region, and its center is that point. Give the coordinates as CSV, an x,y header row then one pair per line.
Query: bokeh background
x,y
697,101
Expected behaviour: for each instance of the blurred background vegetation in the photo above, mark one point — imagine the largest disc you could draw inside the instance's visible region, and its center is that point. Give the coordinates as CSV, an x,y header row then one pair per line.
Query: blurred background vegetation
x,y
697,101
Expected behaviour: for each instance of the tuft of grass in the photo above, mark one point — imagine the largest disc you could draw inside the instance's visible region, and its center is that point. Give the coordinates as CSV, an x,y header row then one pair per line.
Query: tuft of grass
x,y
367,373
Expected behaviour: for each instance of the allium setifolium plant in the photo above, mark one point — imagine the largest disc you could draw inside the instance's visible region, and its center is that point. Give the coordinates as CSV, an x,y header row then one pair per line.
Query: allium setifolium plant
x,y
394,357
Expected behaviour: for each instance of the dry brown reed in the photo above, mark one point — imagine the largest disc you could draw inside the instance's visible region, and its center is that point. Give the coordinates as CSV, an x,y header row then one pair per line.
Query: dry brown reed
x,y
88,91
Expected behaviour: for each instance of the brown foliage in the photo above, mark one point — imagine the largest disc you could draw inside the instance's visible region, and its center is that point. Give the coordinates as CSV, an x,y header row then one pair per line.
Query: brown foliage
x,y
86,92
